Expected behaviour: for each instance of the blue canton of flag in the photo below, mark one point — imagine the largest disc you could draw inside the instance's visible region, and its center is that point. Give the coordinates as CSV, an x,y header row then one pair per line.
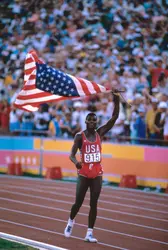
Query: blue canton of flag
x,y
54,81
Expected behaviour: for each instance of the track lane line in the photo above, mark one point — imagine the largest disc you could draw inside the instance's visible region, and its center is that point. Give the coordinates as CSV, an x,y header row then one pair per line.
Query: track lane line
x,y
111,203
61,234
68,190
103,229
119,189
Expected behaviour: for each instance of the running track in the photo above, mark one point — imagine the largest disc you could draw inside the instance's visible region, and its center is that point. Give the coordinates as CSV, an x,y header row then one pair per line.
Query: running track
x,y
39,209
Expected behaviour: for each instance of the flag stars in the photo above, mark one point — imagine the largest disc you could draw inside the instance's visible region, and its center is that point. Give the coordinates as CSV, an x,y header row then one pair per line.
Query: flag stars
x,y
62,84
59,76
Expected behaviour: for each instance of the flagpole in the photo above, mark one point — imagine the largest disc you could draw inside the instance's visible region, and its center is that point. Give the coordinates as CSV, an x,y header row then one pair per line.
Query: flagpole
x,y
119,92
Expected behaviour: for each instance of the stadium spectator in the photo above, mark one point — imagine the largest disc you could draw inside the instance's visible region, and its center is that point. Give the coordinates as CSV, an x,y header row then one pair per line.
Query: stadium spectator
x,y
140,125
160,121
54,129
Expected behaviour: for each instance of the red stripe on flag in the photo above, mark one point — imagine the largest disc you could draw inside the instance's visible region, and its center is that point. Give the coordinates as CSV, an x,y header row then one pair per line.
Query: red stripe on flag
x,y
34,96
31,77
96,87
29,71
29,87
29,60
37,103
84,86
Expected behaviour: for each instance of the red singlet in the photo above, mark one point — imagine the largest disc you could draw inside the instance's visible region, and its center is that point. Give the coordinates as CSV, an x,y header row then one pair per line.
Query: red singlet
x,y
90,157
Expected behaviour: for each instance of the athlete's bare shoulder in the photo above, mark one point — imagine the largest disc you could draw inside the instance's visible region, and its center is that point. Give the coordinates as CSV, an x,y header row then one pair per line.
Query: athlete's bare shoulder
x,y
78,139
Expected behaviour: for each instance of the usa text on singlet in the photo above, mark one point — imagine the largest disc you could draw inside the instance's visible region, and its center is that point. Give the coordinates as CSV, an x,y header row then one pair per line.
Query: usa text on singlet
x,y
91,157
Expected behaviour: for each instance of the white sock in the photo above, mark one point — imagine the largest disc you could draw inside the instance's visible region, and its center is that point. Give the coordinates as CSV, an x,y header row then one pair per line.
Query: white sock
x,y
89,231
70,222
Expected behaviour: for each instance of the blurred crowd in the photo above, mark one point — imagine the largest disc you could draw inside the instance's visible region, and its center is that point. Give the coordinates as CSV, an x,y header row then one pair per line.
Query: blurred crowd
x,y
118,44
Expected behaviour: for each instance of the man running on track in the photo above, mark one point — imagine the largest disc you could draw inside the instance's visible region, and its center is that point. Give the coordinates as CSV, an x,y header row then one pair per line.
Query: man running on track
x,y
89,169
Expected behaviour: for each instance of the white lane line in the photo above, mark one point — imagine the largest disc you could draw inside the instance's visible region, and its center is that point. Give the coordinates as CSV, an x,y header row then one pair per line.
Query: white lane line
x,y
107,202
29,242
67,211
55,232
127,191
136,237
102,229
36,188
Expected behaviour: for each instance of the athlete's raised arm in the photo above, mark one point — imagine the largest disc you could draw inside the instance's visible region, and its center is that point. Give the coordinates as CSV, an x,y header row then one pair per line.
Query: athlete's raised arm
x,y
106,127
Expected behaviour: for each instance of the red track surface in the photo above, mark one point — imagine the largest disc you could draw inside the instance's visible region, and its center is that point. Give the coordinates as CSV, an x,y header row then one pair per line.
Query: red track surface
x,y
39,209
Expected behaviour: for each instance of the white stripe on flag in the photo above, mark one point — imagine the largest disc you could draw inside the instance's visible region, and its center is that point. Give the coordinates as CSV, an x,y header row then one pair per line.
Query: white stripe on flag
x,y
26,77
30,65
78,85
30,92
30,108
36,100
90,86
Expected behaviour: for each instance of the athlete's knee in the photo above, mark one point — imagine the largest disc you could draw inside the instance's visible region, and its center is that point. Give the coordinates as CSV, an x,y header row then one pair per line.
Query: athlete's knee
x,y
78,204
93,205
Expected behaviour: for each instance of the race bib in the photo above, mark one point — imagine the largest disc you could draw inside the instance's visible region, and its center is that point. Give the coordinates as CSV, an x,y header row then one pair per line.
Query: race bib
x,y
93,157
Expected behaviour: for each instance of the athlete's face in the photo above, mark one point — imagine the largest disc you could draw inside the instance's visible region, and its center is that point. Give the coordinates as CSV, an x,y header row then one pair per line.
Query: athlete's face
x,y
91,121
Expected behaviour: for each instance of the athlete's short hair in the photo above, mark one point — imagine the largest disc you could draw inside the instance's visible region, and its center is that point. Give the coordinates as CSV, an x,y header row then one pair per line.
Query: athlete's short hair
x,y
91,114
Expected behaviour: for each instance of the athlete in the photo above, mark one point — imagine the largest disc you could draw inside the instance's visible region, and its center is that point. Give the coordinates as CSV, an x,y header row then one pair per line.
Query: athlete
x,y
89,170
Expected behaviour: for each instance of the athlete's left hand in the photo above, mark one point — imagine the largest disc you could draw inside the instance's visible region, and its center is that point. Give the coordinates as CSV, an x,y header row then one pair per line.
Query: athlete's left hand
x,y
78,165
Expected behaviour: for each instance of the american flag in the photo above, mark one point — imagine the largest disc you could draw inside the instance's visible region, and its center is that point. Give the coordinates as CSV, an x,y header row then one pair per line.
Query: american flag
x,y
43,83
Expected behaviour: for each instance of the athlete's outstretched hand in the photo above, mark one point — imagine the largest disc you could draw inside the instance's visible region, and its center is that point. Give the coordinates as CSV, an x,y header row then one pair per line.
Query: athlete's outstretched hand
x,y
78,165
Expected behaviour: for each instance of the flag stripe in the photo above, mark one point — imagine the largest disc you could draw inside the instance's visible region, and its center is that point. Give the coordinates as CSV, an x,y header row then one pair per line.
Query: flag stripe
x,y
29,59
29,65
96,87
31,82
30,77
39,100
78,86
90,87
38,95
30,108
30,92
84,86
29,71
29,87
35,100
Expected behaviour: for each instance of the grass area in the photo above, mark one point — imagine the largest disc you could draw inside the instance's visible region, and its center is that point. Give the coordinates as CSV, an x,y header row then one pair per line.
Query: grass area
x,y
9,245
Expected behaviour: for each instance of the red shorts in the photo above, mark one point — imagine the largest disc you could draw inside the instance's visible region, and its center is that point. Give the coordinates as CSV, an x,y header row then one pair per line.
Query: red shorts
x,y
91,170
